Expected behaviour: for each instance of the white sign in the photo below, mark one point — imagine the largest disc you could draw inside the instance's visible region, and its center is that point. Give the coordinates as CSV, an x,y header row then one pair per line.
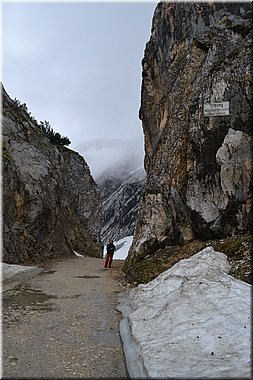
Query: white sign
x,y
216,109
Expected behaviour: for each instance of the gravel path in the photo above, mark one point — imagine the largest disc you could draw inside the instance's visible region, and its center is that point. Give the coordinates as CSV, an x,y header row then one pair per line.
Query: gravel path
x,y
63,323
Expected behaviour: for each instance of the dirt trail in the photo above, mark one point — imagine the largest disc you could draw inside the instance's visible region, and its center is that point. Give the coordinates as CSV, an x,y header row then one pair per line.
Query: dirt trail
x,y
62,323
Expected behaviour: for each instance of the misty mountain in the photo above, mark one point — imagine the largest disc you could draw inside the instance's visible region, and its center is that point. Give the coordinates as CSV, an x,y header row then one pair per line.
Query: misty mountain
x,y
117,166
103,154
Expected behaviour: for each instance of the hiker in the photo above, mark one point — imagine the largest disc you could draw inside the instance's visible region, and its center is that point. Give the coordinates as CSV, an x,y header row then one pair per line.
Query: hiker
x,y
109,253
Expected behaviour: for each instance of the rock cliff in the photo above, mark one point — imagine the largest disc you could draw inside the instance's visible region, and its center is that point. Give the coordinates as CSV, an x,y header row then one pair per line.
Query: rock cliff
x,y
51,204
121,198
198,164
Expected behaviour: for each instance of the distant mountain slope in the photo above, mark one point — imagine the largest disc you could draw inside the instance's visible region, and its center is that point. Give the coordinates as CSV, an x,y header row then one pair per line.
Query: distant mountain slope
x,y
121,198
117,166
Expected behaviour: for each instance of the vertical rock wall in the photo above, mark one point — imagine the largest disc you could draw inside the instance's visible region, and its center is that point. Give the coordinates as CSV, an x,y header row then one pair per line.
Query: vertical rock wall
x,y
51,204
199,168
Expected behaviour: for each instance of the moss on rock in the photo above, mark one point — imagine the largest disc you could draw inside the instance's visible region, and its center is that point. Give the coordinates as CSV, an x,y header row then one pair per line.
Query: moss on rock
x,y
236,248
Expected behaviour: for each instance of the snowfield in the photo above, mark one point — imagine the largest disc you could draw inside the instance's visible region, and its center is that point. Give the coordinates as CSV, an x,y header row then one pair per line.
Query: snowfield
x,y
194,320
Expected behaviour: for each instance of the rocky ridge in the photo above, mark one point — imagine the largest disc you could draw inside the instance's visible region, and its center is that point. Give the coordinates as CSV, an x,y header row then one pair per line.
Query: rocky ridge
x,y
199,167
51,203
120,199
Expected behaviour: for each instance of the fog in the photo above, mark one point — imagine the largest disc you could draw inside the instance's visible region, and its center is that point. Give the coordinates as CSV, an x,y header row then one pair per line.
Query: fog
x,y
118,155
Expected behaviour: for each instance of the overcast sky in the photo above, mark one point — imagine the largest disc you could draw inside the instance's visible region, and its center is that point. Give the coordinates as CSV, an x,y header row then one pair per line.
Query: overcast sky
x,y
77,65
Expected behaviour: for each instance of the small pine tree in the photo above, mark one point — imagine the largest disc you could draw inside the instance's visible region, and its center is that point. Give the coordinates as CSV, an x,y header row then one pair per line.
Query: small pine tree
x,y
17,104
54,137
44,126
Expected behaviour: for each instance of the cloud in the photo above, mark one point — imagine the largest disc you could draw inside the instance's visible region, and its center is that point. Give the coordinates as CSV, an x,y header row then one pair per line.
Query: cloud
x,y
121,156
77,65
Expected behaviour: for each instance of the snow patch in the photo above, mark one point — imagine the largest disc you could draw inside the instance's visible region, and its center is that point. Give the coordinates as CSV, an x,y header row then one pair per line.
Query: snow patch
x,y
122,248
136,170
194,320
10,270
78,254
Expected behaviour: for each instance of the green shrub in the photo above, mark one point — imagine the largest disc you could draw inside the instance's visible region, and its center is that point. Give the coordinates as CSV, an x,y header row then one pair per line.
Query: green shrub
x,y
5,154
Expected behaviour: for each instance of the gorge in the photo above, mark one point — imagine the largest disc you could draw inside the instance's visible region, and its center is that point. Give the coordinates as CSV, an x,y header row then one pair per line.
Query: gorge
x,y
186,301
198,166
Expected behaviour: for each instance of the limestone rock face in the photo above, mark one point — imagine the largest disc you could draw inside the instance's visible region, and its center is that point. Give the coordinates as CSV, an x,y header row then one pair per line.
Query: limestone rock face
x,y
121,199
199,167
51,204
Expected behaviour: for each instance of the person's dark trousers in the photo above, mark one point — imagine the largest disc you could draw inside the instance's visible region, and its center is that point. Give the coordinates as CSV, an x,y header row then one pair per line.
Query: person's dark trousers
x,y
108,260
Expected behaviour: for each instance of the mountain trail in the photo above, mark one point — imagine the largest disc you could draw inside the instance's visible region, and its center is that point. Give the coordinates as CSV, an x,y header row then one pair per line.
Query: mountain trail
x,y
63,323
